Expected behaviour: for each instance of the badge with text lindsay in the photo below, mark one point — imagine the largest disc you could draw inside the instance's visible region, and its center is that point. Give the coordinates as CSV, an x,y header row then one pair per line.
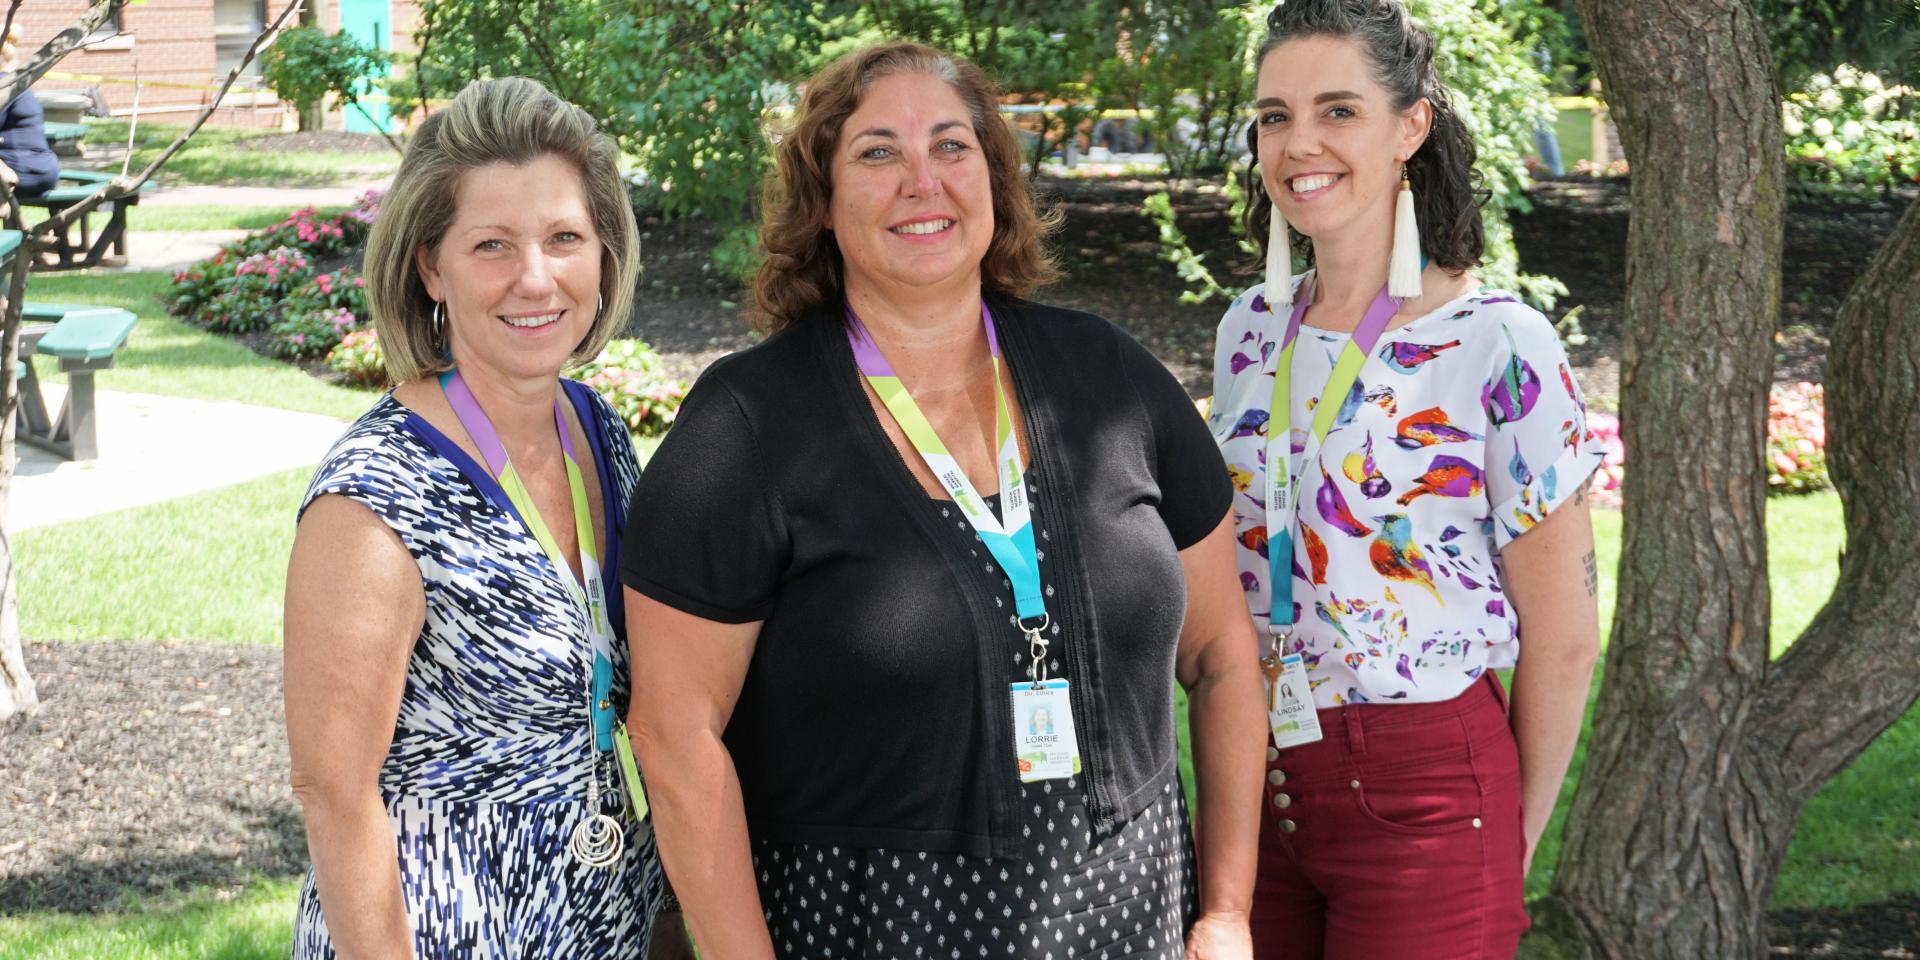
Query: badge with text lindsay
x,y
1290,710
1043,739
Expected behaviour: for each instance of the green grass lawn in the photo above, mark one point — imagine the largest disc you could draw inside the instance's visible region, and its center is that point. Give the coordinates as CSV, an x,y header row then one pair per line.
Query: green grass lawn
x,y
1574,128
168,356
206,924
211,566
214,157
163,218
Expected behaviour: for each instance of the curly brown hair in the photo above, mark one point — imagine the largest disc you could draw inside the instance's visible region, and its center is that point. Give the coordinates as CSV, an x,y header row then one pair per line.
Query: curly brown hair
x,y
801,267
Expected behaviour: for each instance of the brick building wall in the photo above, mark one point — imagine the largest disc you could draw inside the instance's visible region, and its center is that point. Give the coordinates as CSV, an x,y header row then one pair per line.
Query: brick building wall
x,y
173,42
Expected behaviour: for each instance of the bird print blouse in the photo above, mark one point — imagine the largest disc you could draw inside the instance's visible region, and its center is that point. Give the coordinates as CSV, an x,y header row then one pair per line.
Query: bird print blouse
x,y
1463,431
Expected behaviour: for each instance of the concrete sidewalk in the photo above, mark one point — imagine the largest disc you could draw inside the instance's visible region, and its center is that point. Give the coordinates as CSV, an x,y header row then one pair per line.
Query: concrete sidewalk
x,y
289,197
155,448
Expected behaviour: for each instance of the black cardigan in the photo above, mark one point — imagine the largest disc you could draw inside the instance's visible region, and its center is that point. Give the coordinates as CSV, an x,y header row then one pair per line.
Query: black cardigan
x,y
874,712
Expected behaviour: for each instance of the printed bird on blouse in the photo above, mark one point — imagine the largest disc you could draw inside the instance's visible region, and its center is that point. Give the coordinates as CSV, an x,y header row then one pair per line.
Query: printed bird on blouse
x,y
1447,476
1360,468
1511,394
1396,557
1334,510
1408,357
1429,427
1316,554
1251,424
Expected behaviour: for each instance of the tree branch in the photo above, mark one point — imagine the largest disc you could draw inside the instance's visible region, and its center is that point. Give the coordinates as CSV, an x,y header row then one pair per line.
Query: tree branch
x,y
63,43
123,186
1856,669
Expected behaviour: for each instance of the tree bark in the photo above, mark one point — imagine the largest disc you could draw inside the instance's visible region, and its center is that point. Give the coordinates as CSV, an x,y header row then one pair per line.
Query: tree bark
x,y
1702,752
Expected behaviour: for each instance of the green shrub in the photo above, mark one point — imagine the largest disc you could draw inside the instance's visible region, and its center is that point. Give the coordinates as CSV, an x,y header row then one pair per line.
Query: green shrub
x,y
627,373
1848,127
306,64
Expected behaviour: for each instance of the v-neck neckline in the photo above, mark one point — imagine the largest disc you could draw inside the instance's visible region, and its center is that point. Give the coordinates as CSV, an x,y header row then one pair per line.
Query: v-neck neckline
x,y
489,486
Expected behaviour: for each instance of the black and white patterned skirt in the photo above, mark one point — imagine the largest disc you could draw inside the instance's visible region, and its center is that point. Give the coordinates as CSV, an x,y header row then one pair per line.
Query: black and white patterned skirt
x,y
1131,894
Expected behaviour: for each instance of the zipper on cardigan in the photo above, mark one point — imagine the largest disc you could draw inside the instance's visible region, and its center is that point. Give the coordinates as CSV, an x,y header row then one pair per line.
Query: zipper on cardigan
x,y
1001,798
1098,769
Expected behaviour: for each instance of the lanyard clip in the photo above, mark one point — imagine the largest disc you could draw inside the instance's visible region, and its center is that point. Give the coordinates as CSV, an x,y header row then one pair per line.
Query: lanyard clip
x,y
1037,647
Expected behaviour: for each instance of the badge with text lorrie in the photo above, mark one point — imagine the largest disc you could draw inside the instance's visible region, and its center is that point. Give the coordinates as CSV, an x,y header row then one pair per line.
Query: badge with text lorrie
x,y
1290,710
1043,739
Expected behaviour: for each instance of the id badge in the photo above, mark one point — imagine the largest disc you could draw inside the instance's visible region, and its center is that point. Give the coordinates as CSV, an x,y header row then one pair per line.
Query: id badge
x,y
1043,738
1290,710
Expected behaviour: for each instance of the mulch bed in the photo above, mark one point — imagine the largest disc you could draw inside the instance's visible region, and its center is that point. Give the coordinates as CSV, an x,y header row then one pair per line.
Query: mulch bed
x,y
155,767
149,767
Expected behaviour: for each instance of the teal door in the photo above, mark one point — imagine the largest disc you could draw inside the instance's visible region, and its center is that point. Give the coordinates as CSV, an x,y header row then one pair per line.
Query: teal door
x,y
370,22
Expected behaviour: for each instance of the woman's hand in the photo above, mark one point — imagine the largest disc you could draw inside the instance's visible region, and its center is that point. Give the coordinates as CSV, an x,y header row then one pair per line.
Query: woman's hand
x,y
1220,936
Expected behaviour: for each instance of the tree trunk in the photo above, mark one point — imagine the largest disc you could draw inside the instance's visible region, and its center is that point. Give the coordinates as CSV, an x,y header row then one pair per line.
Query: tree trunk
x,y
1703,752
18,695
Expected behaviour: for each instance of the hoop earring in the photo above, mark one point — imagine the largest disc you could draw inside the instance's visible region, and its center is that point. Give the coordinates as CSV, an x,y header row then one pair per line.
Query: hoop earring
x,y
602,308
1403,269
439,316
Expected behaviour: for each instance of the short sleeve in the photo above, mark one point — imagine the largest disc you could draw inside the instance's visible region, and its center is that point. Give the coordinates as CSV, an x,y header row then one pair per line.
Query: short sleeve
x,y
704,533
1195,492
1539,449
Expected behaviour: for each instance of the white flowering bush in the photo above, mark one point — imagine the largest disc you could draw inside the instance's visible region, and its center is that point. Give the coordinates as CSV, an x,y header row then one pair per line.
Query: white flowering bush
x,y
1849,127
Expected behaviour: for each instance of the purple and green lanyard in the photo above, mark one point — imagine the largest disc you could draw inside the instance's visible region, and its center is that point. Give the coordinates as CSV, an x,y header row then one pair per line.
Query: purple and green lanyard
x,y
599,840
1282,503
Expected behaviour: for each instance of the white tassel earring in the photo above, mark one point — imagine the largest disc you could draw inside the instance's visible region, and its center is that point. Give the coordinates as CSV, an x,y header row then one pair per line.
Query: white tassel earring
x,y
1279,262
1403,271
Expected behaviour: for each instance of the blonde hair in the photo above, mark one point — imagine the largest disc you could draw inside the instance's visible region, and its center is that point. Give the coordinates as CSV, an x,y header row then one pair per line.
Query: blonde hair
x,y
511,120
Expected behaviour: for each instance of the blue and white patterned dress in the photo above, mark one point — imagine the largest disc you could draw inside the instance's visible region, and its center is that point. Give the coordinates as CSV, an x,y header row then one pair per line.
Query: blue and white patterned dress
x,y
487,775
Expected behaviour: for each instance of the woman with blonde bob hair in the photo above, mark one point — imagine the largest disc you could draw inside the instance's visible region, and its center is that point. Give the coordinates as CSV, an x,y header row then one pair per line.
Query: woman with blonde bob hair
x,y
452,666
921,513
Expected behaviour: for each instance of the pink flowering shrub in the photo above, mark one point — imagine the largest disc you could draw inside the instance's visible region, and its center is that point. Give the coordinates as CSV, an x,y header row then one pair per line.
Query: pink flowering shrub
x,y
304,233
312,333
1797,439
1796,457
358,356
627,373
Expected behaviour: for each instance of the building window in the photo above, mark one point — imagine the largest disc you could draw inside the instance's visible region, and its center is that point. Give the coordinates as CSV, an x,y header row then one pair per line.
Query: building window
x,y
108,28
235,24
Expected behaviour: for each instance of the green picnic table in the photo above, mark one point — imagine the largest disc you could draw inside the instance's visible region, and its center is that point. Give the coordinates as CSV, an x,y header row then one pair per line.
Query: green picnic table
x,y
83,338
89,251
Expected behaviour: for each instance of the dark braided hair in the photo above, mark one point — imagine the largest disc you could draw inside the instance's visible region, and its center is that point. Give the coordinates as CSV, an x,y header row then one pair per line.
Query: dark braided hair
x,y
1446,192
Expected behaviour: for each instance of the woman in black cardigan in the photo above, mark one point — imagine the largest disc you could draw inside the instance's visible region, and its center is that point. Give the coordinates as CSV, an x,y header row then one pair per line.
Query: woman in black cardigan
x,y
923,513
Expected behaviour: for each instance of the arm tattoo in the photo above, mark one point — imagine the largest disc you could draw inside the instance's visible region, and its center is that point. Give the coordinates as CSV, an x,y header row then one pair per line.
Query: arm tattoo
x,y
1593,574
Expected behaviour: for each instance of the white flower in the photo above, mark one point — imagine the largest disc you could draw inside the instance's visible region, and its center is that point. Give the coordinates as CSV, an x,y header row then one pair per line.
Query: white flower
x,y
1833,146
1794,127
1870,81
1823,127
1818,81
1852,130
1845,75
1874,105
1829,100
